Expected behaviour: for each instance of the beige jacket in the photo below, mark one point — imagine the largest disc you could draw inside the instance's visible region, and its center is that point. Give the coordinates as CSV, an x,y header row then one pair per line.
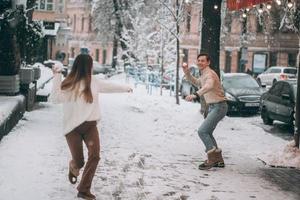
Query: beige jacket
x,y
210,85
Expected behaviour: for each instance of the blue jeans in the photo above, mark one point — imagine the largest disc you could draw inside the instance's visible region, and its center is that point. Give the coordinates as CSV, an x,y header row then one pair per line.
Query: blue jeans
x,y
216,112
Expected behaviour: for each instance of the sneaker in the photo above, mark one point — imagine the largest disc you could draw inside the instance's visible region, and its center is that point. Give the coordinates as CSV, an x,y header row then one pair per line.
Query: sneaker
x,y
86,195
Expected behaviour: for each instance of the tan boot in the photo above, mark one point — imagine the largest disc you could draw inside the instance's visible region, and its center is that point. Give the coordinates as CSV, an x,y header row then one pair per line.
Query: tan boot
x,y
214,159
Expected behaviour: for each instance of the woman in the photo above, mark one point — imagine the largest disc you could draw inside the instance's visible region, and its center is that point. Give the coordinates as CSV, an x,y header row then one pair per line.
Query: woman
x,y
78,93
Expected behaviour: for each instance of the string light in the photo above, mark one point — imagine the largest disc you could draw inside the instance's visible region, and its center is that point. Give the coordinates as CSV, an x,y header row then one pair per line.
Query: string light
x,y
269,6
247,9
278,2
260,10
290,4
216,7
244,15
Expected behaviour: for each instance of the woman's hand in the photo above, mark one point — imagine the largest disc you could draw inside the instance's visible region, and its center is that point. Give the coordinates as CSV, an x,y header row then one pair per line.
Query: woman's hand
x,y
185,68
190,97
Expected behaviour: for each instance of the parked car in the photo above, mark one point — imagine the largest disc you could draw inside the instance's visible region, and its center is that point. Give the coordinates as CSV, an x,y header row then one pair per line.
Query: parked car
x,y
276,73
242,92
186,88
278,103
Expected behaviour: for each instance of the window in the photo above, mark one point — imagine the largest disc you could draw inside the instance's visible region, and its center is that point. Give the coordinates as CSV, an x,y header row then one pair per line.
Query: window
x,y
74,21
286,89
275,70
72,52
97,55
47,5
276,89
292,57
228,61
104,56
188,21
90,23
273,59
259,27
82,23
186,55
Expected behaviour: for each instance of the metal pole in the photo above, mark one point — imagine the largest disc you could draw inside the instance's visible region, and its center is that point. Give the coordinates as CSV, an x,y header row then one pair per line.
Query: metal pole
x,y
297,114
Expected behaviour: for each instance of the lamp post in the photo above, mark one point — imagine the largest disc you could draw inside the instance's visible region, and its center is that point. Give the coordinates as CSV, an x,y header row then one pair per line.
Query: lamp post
x,y
115,43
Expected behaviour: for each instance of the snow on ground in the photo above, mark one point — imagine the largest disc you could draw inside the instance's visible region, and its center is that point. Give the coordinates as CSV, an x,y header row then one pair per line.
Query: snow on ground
x,y
149,150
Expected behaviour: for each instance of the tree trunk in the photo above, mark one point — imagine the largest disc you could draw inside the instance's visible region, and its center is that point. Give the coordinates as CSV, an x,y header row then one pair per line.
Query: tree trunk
x,y
210,41
177,50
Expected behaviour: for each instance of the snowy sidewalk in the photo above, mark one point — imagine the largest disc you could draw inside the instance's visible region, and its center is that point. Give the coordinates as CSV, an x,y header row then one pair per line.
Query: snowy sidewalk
x,y
149,150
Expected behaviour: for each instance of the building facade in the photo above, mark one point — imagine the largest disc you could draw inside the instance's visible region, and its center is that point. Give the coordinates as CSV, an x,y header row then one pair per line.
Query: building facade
x,y
83,36
189,41
252,45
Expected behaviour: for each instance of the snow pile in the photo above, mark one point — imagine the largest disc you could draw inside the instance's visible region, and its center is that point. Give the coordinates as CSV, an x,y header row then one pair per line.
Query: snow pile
x,y
46,75
7,105
289,157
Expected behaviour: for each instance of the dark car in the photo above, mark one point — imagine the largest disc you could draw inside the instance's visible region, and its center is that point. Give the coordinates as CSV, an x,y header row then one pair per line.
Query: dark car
x,y
242,92
279,102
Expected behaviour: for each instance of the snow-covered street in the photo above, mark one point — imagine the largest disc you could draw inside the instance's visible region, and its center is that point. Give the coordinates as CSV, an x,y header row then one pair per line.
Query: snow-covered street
x,y
149,150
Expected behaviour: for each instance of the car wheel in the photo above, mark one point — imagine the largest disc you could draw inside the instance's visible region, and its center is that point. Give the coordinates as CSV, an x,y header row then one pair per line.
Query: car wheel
x,y
274,81
265,117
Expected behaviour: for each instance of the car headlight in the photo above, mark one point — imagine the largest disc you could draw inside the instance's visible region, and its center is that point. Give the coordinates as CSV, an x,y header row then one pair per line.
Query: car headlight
x,y
229,97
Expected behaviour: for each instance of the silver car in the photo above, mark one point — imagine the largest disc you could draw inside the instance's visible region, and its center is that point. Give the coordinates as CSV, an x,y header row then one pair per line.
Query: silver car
x,y
276,73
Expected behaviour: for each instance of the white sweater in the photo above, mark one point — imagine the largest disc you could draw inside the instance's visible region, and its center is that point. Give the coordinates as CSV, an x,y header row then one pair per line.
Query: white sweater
x,y
75,112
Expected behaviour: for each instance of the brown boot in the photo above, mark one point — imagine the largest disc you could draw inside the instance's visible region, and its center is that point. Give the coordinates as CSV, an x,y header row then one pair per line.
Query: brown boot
x,y
215,159
86,195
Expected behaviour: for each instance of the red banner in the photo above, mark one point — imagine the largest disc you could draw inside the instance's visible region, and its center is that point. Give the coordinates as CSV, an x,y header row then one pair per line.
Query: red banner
x,y
239,4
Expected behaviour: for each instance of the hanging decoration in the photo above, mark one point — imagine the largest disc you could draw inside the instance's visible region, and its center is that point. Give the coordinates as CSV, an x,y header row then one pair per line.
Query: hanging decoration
x,y
239,4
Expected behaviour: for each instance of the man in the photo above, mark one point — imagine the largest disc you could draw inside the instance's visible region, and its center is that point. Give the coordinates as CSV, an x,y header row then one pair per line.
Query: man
x,y
213,93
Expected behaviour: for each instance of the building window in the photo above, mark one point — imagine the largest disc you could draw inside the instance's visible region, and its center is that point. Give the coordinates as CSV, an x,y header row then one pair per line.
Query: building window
x,y
188,21
292,57
186,55
227,62
74,21
72,52
90,23
82,23
259,27
104,56
97,55
273,59
47,5
60,6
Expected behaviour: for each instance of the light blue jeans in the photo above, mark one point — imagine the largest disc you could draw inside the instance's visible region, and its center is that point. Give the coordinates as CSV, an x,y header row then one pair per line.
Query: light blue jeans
x,y
216,112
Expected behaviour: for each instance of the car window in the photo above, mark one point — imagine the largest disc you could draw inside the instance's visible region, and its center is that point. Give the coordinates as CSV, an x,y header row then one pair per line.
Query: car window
x,y
275,70
268,70
290,71
286,89
239,82
276,89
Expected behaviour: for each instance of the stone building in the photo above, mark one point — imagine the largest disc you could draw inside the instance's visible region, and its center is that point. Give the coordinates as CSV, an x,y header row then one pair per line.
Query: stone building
x,y
249,44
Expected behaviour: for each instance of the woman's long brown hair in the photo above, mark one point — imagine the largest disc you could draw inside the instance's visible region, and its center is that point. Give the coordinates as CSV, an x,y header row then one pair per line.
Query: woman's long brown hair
x,y
81,71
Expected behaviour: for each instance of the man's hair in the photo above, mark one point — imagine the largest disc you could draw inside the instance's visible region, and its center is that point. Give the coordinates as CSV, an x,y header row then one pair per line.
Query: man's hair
x,y
204,54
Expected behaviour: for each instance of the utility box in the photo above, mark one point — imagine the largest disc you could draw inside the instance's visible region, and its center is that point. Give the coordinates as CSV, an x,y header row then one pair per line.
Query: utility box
x,y
29,91
26,75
